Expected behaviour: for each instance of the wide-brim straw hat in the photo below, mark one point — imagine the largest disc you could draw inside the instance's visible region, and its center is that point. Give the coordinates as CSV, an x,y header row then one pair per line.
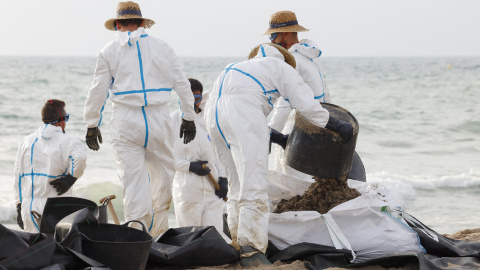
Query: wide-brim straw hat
x,y
128,10
284,21
289,59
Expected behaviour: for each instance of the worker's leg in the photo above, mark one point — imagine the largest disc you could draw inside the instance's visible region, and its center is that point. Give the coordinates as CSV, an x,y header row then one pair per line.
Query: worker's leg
x,y
128,133
161,164
225,157
213,216
187,213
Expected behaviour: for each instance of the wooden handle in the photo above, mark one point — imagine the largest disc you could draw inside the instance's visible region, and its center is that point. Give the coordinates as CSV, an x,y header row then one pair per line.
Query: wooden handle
x,y
211,178
213,181
112,212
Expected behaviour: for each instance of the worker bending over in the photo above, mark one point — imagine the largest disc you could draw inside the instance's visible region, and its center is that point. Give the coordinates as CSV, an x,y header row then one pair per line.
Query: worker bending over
x,y
236,118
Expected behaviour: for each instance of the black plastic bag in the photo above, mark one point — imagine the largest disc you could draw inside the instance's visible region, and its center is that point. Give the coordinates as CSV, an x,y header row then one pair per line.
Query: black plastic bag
x,y
37,251
192,246
59,207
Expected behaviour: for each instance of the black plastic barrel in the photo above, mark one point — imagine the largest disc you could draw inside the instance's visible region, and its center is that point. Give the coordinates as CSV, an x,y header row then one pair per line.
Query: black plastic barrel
x,y
116,246
321,152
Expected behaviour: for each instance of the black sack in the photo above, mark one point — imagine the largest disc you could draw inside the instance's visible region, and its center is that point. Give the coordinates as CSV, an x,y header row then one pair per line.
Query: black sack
x,y
439,245
59,207
11,243
192,246
317,255
41,251
67,232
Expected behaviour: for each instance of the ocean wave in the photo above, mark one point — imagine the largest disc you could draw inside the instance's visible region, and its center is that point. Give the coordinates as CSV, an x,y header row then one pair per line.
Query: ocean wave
x,y
8,212
429,182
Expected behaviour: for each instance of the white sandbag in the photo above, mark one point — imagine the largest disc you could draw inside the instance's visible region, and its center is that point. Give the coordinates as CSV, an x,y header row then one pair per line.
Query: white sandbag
x,y
389,196
374,227
295,227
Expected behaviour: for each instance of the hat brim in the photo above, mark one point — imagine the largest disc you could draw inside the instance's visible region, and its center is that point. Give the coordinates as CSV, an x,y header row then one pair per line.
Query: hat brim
x,y
147,23
289,59
291,28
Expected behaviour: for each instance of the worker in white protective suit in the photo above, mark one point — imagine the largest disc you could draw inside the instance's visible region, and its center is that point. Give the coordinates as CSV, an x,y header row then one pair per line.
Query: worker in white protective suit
x,y
236,118
140,71
196,201
48,164
283,30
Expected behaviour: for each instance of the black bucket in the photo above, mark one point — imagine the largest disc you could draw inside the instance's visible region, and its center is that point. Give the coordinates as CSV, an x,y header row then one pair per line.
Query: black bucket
x,y
116,246
321,152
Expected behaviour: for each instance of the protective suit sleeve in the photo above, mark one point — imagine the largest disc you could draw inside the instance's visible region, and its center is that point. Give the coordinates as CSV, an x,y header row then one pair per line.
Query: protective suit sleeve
x,y
301,97
280,115
16,177
181,86
98,92
77,159
16,188
219,166
182,165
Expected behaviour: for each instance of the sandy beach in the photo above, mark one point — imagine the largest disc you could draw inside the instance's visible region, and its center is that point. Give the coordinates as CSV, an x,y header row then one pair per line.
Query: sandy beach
x,y
466,235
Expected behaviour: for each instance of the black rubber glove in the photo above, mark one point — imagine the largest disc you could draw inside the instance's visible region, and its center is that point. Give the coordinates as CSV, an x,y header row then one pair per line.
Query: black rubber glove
x,y
222,192
344,129
196,168
19,215
278,138
187,131
91,138
63,184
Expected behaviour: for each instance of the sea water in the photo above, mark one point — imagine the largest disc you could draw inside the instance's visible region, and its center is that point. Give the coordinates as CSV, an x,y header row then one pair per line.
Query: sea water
x,y
419,126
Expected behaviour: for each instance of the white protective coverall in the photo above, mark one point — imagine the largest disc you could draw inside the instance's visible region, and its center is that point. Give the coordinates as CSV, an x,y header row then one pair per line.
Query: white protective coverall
x,y
236,116
307,56
42,157
194,196
141,71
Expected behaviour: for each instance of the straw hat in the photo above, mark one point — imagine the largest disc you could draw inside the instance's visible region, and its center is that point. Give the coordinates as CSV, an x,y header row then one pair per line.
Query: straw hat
x,y
289,59
128,10
284,21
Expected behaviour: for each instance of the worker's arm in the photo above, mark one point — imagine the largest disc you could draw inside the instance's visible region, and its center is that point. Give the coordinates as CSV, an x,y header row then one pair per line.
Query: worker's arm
x,y
77,158
98,93
301,98
17,173
181,86
280,114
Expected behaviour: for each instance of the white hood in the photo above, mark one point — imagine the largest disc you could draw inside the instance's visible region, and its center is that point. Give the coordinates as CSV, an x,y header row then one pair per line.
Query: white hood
x,y
132,37
269,51
307,48
46,131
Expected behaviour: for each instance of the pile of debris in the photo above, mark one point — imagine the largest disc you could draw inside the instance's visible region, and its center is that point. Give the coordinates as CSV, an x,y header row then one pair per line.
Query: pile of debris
x,y
321,196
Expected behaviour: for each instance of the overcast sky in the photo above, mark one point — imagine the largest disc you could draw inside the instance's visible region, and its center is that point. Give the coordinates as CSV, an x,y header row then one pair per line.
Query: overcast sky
x,y
231,28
